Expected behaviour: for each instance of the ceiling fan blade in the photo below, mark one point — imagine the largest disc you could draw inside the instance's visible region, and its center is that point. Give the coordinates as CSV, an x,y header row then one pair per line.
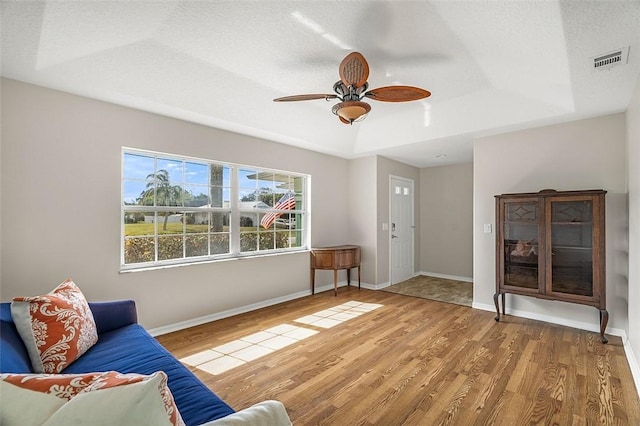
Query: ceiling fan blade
x,y
354,70
308,97
397,94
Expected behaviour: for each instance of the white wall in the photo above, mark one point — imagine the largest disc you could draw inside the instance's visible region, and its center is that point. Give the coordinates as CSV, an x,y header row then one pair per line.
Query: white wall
x,y
633,183
385,169
446,220
60,206
586,154
362,223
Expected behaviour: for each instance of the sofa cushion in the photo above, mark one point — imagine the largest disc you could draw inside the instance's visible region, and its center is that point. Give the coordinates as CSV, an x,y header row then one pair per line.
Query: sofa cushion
x,y
131,349
88,399
56,328
271,413
13,353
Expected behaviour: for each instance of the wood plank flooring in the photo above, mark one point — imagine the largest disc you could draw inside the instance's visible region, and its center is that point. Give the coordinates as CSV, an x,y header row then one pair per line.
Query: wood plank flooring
x,y
421,362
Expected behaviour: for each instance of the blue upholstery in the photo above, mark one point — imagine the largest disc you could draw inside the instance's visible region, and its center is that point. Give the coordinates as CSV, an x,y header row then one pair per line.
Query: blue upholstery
x,y
13,354
124,346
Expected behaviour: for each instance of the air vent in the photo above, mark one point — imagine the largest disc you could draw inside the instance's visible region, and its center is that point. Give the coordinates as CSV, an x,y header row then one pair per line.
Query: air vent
x,y
611,59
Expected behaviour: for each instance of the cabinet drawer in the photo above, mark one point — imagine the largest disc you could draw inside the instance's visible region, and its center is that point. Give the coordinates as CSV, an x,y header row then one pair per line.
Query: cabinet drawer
x,y
346,258
322,260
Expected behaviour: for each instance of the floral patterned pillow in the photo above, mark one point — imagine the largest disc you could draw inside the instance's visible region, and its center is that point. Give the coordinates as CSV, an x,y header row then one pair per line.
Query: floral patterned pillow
x,y
56,328
79,394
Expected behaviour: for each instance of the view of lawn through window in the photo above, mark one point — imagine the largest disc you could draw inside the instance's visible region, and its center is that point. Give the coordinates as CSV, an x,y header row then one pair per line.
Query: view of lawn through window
x,y
180,210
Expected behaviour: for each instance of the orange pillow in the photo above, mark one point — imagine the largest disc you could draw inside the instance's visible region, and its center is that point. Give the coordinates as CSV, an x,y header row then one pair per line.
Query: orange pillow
x,y
66,387
57,328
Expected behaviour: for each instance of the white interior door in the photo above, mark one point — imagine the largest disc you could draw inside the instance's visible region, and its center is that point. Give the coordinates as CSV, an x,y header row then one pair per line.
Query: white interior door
x,y
401,229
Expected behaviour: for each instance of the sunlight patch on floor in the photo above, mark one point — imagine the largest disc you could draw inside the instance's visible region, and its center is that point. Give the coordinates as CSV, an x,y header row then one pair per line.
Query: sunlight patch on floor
x,y
225,357
238,352
338,314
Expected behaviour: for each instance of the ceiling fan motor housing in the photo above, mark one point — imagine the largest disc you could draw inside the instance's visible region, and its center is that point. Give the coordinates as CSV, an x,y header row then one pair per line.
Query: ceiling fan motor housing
x,y
350,92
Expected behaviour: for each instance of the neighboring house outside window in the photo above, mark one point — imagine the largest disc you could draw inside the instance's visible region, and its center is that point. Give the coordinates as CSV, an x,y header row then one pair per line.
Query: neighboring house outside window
x,y
184,210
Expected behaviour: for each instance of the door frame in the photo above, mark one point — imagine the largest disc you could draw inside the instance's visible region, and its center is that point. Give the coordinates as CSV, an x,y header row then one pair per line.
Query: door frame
x,y
413,225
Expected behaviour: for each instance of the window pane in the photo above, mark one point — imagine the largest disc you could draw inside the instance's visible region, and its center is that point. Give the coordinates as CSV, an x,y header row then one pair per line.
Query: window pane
x,y
133,191
220,197
136,166
296,239
220,182
140,193
174,169
139,249
170,247
282,239
196,245
195,196
219,243
169,223
248,241
249,222
196,173
196,223
139,223
219,222
247,179
267,241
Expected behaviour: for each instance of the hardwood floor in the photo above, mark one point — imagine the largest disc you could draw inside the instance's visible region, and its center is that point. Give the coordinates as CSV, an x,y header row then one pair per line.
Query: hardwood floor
x,y
421,362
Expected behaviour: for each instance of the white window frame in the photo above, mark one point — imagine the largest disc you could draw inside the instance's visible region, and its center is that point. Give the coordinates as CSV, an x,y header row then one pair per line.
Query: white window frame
x,y
301,208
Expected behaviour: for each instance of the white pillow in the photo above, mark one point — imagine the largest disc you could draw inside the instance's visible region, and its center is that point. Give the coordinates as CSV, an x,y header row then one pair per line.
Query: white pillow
x,y
135,404
23,407
266,413
108,398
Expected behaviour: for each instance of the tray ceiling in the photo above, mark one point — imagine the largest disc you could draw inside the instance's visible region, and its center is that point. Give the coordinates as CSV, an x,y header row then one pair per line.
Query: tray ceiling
x,y
491,66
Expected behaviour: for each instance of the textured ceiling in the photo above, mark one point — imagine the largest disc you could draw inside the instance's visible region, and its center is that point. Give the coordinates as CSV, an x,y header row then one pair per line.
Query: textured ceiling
x,y
491,66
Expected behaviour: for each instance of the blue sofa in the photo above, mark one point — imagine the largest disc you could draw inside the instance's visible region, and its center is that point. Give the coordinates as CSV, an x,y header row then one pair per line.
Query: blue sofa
x,y
125,346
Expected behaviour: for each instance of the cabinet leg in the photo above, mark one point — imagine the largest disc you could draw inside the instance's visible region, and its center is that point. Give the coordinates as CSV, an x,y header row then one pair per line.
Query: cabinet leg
x,y
503,304
313,281
349,277
335,282
358,277
604,319
495,300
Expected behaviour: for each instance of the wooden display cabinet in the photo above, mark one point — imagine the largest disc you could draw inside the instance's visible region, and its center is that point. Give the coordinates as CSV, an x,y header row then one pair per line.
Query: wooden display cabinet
x,y
551,245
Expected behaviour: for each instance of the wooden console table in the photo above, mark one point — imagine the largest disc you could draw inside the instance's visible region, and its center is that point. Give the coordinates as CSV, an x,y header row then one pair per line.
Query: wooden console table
x,y
335,258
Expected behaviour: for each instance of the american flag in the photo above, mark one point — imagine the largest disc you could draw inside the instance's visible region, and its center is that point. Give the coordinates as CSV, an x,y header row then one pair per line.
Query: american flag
x,y
287,202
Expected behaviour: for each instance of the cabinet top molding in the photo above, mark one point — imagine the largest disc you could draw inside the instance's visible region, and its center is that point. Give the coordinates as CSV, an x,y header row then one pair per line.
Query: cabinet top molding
x,y
553,193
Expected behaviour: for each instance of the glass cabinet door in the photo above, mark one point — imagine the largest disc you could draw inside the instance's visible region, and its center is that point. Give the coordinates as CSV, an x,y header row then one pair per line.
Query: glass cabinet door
x,y
521,245
571,247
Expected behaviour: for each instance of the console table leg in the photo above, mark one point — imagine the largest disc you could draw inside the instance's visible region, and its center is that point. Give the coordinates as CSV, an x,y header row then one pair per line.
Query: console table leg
x,y
604,319
335,282
349,277
358,277
313,281
495,300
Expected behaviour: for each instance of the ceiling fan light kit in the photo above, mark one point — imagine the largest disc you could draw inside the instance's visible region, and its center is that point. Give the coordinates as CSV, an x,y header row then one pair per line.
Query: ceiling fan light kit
x,y
352,87
351,111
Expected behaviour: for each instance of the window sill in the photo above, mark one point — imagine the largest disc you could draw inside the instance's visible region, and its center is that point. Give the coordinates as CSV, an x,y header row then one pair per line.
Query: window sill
x,y
126,270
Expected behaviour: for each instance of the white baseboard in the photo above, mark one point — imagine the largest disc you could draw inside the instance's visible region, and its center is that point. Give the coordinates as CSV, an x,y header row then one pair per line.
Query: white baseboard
x,y
247,308
553,320
633,363
445,276
376,286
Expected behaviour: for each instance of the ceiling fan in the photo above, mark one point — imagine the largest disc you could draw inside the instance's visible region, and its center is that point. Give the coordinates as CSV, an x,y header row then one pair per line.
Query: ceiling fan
x,y
352,88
